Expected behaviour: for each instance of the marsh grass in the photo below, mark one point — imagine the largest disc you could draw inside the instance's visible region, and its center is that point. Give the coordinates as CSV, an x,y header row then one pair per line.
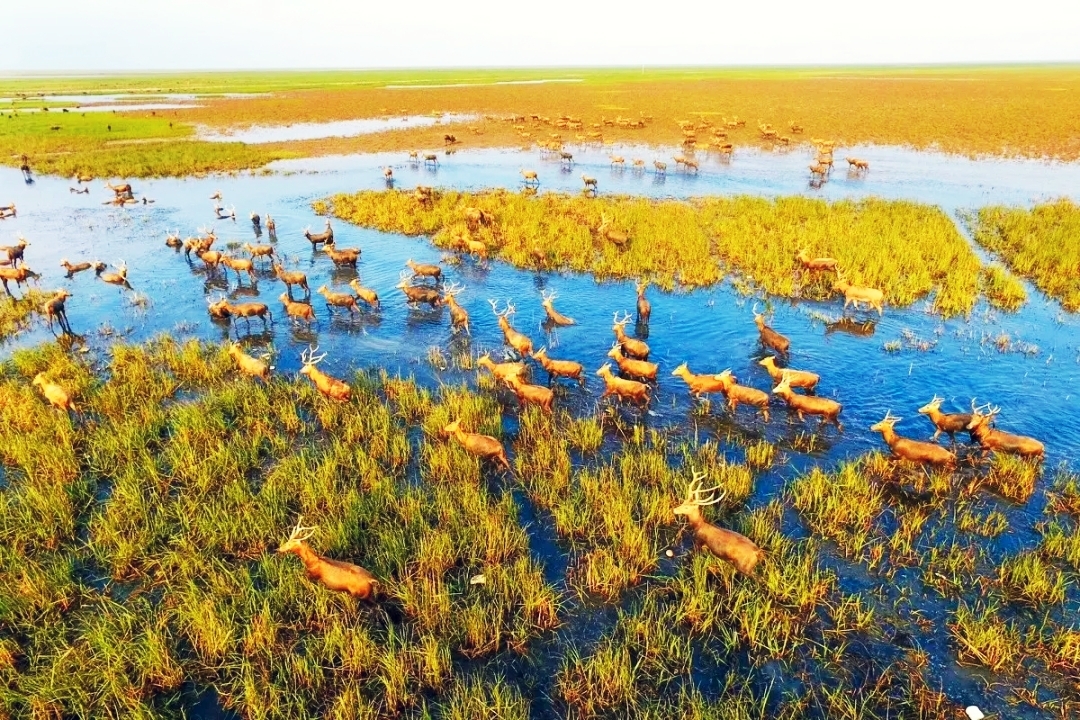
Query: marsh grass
x,y
984,639
917,252
16,314
1027,578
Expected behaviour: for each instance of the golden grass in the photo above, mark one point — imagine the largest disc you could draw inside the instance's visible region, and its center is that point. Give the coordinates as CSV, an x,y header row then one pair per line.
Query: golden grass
x,y
1040,244
907,250
17,312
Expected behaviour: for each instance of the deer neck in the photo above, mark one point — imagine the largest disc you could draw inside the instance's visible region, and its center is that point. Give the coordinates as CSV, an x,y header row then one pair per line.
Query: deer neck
x,y
890,435
307,555
695,520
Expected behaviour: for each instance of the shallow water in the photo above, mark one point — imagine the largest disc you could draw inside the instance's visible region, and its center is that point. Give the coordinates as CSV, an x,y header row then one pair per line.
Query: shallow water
x,y
313,131
711,329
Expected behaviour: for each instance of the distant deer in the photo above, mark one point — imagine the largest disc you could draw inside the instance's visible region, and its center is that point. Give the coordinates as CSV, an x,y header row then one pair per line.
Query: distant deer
x,y
559,368
459,316
339,300
797,378
737,394
727,545
530,177
590,182
853,294
554,316
418,293
425,270
260,251
15,252
55,308
239,265
290,278
483,446
224,309
117,278
700,385
56,395
327,385
72,269
366,294
823,263
642,369
297,310
502,372
332,574
604,230
644,307
517,340
913,450
995,440
857,165
326,235
341,257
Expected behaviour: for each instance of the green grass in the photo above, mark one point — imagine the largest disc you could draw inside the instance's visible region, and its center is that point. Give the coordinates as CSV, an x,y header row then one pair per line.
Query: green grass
x,y
17,313
917,251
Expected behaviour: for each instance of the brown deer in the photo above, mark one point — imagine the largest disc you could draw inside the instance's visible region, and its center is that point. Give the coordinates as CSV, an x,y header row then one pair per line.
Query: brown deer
x,y
271,226
798,378
15,252
531,394
913,450
727,545
117,278
517,340
224,309
297,310
622,388
700,385
54,308
828,410
769,337
857,165
459,316
995,440
249,365
339,300
591,183
260,251
644,307
818,170
331,574
617,238
77,267
342,257
559,368
502,372
475,217
737,394
950,423
366,294
632,347
853,294
418,293
173,240
290,278
553,315
211,259
661,167
823,263
530,177
20,275
425,270
483,446
326,235
120,190
327,385
56,395
239,265
628,366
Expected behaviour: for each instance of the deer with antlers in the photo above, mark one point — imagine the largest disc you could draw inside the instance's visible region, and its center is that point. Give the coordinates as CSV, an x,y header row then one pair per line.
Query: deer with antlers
x,y
632,347
327,385
642,369
618,239
118,278
248,365
172,240
418,293
517,340
459,316
854,294
769,337
502,372
297,310
199,244
812,263
559,368
484,447
325,236
223,309
15,252
913,450
950,423
55,309
331,574
737,394
797,378
700,385
365,294
992,439
828,410
290,278
554,316
339,300
622,388
422,270
54,394
727,545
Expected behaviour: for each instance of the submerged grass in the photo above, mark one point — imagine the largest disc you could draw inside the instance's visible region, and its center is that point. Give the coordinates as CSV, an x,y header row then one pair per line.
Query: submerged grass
x,y
916,250
17,313
1039,244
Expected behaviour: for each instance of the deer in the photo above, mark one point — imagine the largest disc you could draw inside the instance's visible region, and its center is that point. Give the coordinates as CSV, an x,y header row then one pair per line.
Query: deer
x,y
797,378
366,294
459,316
484,447
565,157
617,160
950,423
475,217
769,337
15,252
727,545
700,385
818,170
225,213
54,394
7,211
199,245
331,574
995,440
809,263
637,349
518,341
737,394
660,167
531,394
117,278
256,221
828,410
290,278
20,275
388,174
120,190
239,265
530,177
853,294
223,309
343,257
857,165
326,235
431,159
216,196
72,269
629,366
54,308
590,182
271,226
913,450
173,240
211,259
249,365
559,368
621,387
418,293
327,385
689,164
297,310
502,372
260,251
644,307
638,165
554,316
424,270
339,300
605,231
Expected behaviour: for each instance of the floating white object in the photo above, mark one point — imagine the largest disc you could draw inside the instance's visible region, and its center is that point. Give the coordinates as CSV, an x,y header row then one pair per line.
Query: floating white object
x,y
477,580
670,554
974,713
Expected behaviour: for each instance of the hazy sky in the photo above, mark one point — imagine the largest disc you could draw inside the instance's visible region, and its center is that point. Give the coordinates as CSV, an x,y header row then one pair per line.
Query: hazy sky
x,y
224,34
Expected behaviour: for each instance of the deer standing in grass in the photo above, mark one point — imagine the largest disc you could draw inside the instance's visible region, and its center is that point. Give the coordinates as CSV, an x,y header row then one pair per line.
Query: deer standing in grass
x,y
854,294
251,366
769,337
995,440
727,545
950,423
297,310
517,340
700,385
554,316
798,378
55,309
737,394
290,278
54,394
621,387
459,316
617,238
332,574
483,446
913,450
328,386
632,347
559,368
811,263
828,410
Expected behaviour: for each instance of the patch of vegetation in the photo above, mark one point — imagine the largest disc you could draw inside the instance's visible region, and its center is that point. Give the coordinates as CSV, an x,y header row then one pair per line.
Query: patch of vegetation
x,y
16,313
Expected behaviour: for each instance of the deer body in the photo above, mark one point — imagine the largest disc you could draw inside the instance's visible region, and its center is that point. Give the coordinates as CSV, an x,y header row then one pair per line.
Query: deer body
x,y
559,368
290,278
532,394
20,275
913,450
224,309
459,316
605,231
853,295
366,294
644,307
824,263
239,265
332,574
258,251
699,385
502,372
638,368
483,446
632,347
999,440
425,270
15,252
950,423
326,235
117,278
57,396
328,386
769,337
828,410
344,256
298,310
622,388
76,268
553,315
727,545
248,364
341,300
737,394
55,308
799,378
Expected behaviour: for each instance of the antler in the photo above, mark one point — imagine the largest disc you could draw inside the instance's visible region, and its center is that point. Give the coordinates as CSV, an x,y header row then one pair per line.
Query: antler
x,y
510,309
453,289
298,532
889,416
625,319
548,295
756,313
694,492
308,357
495,308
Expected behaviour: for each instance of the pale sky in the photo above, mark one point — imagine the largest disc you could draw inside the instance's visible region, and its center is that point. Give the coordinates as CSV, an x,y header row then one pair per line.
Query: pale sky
x,y
51,35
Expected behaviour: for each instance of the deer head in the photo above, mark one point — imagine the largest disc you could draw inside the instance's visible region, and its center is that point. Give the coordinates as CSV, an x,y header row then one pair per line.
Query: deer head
x,y
886,423
931,406
297,537
697,498
309,359
548,296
